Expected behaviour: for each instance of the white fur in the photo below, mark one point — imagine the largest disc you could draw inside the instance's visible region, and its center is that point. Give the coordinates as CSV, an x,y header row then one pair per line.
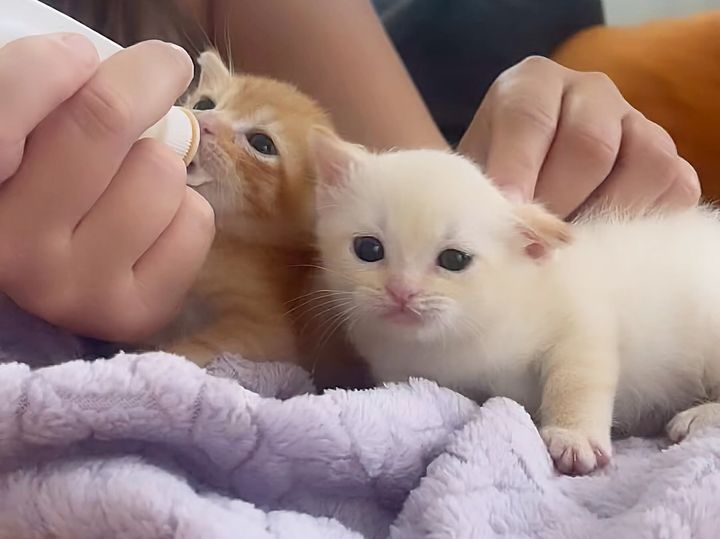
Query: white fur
x,y
629,308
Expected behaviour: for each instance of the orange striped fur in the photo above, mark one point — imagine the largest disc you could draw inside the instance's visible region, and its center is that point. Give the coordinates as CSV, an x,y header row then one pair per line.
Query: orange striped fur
x,y
248,299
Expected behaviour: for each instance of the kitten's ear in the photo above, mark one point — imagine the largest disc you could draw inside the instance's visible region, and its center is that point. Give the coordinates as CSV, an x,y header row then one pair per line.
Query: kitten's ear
x,y
333,158
541,231
213,70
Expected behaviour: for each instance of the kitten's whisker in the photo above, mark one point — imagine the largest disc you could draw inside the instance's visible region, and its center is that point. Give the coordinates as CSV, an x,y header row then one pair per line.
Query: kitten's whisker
x,y
335,308
472,327
314,297
316,292
443,331
321,302
208,42
312,304
228,42
194,50
343,318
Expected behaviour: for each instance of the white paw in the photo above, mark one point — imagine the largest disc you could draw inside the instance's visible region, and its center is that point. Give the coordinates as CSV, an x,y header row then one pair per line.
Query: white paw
x,y
693,420
574,452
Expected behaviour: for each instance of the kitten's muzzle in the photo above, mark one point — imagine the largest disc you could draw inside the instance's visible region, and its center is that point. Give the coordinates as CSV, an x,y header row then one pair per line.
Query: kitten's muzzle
x,y
400,293
401,309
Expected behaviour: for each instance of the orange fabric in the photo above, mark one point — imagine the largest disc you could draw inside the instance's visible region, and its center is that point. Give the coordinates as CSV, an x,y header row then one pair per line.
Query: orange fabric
x,y
670,71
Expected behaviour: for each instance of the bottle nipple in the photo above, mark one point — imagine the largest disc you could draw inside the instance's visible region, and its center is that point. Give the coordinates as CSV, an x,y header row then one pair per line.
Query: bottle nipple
x,y
178,129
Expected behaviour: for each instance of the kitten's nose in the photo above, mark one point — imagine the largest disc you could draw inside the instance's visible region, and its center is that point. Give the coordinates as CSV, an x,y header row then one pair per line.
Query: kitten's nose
x,y
401,293
209,124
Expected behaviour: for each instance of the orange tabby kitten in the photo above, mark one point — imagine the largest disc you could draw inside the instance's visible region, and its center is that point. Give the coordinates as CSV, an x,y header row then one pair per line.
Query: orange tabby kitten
x,y
253,166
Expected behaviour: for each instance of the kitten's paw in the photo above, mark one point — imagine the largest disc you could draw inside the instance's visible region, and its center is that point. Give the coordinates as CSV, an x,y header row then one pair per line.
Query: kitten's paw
x,y
574,452
693,420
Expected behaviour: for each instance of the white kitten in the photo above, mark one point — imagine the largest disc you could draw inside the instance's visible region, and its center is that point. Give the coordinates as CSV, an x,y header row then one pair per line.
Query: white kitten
x,y
446,279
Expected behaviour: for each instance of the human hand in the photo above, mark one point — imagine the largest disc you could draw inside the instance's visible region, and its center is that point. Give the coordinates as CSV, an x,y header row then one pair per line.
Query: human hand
x,y
569,139
98,232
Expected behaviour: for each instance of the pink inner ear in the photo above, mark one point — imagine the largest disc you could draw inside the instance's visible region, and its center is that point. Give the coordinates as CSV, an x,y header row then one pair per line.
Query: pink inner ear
x,y
541,231
535,250
333,157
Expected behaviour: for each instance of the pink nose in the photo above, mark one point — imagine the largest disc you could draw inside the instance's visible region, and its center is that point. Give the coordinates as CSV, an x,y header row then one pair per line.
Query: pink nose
x,y
400,293
209,124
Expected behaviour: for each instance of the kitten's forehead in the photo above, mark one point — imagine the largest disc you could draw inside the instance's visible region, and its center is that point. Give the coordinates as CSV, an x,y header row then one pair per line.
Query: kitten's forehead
x,y
428,196
263,115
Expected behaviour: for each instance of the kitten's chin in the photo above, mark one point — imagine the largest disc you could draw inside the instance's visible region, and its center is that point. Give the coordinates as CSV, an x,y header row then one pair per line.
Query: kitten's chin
x,y
408,326
197,176
404,318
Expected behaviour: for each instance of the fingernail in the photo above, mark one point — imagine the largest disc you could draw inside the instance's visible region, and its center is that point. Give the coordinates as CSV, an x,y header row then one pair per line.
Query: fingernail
x,y
183,53
80,46
180,51
73,39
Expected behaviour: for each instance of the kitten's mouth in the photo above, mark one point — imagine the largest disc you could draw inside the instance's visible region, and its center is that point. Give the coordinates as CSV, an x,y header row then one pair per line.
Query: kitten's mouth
x,y
196,175
403,316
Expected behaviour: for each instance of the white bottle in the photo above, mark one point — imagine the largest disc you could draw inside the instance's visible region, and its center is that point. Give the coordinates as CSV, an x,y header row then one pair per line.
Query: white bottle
x,y
178,128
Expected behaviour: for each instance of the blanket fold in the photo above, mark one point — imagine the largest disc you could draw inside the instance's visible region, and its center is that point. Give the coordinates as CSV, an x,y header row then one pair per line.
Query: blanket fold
x,y
149,445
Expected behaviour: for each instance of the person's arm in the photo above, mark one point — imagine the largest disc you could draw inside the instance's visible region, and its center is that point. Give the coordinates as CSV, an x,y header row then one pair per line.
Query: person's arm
x,y
336,51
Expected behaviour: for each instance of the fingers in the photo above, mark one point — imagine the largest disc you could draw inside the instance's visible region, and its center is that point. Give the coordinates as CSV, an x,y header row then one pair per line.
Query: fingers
x,y
522,117
646,167
72,156
36,75
586,144
570,139
140,202
166,272
684,191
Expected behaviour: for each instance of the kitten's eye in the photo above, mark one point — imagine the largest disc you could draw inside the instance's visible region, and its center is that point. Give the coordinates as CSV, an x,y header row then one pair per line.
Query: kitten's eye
x,y
454,260
262,143
368,249
205,103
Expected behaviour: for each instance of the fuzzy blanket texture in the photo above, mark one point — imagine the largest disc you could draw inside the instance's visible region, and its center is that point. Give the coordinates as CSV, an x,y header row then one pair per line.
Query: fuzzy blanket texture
x,y
150,446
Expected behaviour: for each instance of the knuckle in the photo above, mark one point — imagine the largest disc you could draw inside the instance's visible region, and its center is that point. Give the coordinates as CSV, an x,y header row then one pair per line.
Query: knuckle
x,y
101,111
536,61
525,110
598,78
595,143
527,69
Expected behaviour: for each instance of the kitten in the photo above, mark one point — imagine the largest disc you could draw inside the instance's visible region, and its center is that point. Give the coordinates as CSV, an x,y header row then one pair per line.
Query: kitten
x,y
253,166
608,321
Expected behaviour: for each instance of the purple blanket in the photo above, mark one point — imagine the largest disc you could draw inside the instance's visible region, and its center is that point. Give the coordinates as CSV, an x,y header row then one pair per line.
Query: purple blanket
x,y
143,446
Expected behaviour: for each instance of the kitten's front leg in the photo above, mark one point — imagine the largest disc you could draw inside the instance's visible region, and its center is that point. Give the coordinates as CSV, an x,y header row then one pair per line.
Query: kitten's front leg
x,y
579,384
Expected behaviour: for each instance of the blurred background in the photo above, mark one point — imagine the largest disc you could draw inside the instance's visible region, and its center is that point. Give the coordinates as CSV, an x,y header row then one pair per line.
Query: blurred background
x,y
637,11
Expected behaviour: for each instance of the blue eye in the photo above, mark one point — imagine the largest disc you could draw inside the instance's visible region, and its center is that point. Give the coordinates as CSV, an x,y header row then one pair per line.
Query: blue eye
x,y
368,249
454,260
